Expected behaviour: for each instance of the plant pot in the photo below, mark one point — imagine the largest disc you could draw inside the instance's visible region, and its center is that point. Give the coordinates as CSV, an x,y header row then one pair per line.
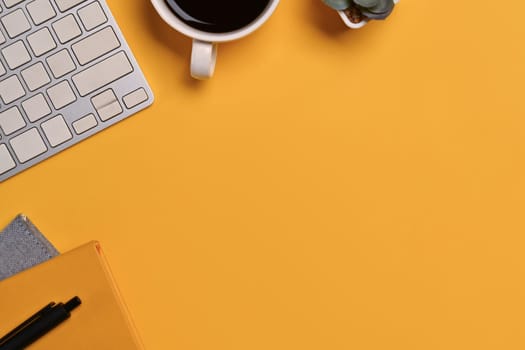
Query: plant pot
x,y
353,25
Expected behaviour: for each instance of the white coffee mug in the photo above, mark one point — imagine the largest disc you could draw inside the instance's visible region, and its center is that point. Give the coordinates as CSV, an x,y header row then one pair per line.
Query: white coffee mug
x,y
204,50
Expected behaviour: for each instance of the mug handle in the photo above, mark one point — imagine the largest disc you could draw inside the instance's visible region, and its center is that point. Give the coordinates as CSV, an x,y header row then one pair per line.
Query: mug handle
x,y
203,58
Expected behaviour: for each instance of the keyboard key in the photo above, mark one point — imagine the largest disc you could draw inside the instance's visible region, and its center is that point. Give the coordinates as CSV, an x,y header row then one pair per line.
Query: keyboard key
x,y
35,76
84,124
95,45
107,105
11,89
15,23
36,108
41,42
61,95
56,131
40,11
66,29
6,161
92,16
134,98
16,55
28,145
11,120
2,69
60,63
65,5
11,3
102,73
2,37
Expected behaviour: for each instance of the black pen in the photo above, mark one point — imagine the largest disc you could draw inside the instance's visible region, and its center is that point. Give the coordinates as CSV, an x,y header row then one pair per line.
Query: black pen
x,y
38,325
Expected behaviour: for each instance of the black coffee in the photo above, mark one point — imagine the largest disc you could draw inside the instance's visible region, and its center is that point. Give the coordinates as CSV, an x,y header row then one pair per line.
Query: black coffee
x,y
217,16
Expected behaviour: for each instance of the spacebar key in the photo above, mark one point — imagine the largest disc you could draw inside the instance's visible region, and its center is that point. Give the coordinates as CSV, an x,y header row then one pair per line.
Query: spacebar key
x,y
102,73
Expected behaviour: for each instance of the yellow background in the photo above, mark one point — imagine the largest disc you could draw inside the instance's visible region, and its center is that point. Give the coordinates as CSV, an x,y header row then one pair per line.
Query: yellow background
x,y
327,189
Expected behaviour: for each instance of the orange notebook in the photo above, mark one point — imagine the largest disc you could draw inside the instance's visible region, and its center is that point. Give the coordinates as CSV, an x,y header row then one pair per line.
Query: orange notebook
x,y
102,322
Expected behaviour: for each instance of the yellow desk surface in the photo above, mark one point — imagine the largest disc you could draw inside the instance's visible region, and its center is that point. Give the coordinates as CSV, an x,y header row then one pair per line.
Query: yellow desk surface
x,y
327,189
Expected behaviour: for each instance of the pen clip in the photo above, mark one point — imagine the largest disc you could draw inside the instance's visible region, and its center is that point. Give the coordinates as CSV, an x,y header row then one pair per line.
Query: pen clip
x,y
26,323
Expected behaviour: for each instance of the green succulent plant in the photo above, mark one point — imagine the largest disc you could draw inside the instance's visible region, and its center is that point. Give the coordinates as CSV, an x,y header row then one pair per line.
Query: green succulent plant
x,y
373,9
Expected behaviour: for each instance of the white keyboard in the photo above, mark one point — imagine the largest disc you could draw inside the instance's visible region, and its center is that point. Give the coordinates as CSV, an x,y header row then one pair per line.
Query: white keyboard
x,y
66,73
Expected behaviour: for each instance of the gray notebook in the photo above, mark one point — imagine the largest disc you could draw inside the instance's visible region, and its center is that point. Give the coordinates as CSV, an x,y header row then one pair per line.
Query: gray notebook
x,y
22,246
